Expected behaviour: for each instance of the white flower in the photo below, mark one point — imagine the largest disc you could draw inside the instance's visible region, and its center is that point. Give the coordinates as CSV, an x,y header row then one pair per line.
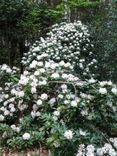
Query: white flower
x,y
52,101
83,133
44,82
55,118
39,102
92,80
11,105
33,90
103,83
68,134
53,66
102,91
1,117
6,96
6,112
64,86
56,113
39,57
12,109
40,64
25,72
38,114
26,136
8,70
37,73
2,108
66,102
44,96
114,91
67,64
84,112
4,67
62,63
20,93
13,127
13,92
47,65
55,75
60,96
109,83
64,76
100,151
33,114
90,150
23,80
112,152
17,129
74,103
42,70
33,64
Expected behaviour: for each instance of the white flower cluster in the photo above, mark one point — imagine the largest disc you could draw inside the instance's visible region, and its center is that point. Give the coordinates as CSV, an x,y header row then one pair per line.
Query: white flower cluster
x,y
89,150
26,136
86,151
106,150
40,73
6,69
66,41
68,134
107,84
50,92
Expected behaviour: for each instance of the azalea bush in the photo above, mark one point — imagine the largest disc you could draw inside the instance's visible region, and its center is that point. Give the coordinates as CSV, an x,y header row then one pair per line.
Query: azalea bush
x,y
70,42
53,106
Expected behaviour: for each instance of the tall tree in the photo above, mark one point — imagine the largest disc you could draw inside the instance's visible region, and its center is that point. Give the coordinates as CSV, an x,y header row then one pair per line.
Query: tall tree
x,y
106,42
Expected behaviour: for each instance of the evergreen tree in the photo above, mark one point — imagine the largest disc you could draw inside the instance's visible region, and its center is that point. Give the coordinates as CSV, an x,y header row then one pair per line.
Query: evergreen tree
x,y
106,43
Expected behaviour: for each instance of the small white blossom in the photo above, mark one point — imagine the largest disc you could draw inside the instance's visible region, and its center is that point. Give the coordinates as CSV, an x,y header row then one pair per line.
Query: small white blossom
x,y
2,118
26,136
114,91
20,93
74,103
68,134
102,91
55,75
44,96
33,90
92,80
56,113
39,102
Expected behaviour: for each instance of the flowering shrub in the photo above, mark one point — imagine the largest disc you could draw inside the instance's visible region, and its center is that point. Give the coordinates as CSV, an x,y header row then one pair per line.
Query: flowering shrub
x,y
70,42
51,106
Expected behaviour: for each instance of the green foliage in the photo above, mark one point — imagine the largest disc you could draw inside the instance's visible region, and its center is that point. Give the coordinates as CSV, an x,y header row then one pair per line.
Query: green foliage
x,y
105,35
82,3
22,22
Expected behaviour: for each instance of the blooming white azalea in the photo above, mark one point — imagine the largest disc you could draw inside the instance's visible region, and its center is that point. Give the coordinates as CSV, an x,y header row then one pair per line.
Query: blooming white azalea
x,y
44,96
56,113
20,93
2,118
55,75
39,102
83,133
103,91
68,134
33,90
92,80
26,136
114,91
74,103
